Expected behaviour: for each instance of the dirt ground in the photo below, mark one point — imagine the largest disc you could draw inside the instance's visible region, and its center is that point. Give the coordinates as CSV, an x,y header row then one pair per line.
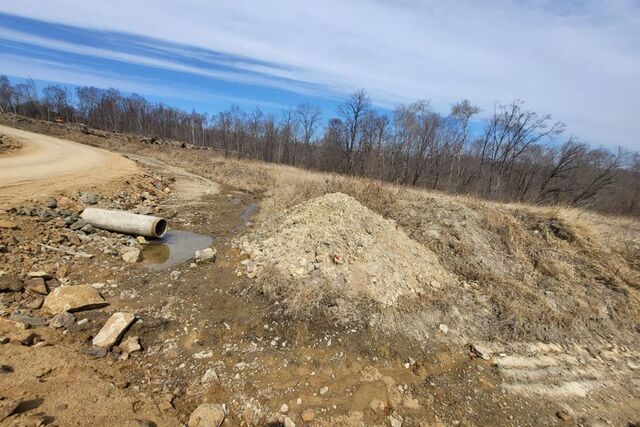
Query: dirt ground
x,y
210,334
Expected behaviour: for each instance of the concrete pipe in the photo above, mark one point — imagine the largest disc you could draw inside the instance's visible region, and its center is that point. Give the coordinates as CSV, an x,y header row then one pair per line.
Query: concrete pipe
x,y
125,222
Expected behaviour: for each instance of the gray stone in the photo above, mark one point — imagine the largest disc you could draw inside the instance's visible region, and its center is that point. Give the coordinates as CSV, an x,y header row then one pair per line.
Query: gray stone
x,y
113,329
51,203
88,198
28,320
96,352
207,415
78,224
62,320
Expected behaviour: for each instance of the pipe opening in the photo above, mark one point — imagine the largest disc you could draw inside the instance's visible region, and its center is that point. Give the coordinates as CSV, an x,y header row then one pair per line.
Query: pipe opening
x,y
160,227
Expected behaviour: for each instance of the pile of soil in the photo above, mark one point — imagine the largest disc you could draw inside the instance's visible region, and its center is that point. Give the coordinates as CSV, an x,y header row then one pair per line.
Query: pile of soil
x,y
333,245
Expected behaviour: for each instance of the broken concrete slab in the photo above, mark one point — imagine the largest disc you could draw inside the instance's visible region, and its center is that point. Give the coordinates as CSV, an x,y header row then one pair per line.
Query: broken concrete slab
x,y
73,298
113,329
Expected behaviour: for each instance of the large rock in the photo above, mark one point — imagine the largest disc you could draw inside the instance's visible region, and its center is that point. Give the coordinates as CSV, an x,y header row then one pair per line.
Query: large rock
x,y
9,283
73,298
207,415
113,330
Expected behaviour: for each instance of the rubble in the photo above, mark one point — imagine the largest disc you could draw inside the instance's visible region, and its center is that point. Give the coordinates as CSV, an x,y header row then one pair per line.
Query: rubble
x,y
204,255
113,329
73,298
62,320
207,415
131,256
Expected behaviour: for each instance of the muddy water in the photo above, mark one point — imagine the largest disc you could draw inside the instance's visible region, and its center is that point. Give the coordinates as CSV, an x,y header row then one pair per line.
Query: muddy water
x,y
174,248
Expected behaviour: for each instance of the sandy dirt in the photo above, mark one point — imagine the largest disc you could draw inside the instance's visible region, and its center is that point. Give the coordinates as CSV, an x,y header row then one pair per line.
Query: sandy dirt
x,y
46,164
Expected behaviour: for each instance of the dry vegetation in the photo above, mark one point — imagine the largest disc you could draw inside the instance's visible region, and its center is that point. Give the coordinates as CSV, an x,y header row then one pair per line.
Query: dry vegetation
x,y
523,272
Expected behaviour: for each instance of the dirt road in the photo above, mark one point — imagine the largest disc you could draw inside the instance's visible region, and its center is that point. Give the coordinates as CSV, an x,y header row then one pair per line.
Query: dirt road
x,y
45,165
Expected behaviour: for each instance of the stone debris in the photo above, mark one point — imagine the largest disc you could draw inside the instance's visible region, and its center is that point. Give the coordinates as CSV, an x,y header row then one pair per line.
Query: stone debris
x,y
36,285
131,256
27,320
204,255
207,415
130,345
113,329
40,275
62,320
73,298
210,376
288,422
10,283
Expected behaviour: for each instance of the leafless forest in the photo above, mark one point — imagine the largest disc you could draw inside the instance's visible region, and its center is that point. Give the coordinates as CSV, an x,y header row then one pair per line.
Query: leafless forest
x,y
511,155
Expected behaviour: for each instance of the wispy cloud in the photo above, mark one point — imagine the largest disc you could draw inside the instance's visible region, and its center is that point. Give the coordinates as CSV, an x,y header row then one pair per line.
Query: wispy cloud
x,y
578,60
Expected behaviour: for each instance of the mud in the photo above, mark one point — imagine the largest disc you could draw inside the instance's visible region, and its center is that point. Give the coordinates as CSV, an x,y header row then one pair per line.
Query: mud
x,y
174,248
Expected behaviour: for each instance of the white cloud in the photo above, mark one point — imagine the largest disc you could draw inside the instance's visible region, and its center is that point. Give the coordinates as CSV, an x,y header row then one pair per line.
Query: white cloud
x,y
578,60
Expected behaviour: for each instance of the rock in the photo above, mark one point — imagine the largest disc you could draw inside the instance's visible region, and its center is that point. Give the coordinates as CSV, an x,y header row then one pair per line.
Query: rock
x,y
88,228
78,224
481,351
51,203
39,275
131,345
208,254
141,240
96,352
207,415
88,198
308,415
83,322
67,203
7,406
10,283
27,320
395,422
113,329
284,408
73,298
62,320
36,303
444,329
74,239
10,225
4,339
175,275
132,256
288,422
209,376
36,285
324,390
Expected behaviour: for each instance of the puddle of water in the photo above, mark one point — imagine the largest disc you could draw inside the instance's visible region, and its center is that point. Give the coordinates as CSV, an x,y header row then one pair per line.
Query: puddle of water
x,y
174,248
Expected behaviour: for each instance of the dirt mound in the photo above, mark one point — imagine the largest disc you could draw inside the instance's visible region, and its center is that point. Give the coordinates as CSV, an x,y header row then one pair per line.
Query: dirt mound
x,y
333,245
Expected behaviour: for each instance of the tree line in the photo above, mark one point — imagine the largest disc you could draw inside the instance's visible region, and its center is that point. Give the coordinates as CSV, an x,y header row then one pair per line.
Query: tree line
x,y
513,154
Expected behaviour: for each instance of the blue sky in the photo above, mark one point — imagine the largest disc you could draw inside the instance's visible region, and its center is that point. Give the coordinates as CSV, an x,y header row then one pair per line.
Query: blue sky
x,y
577,60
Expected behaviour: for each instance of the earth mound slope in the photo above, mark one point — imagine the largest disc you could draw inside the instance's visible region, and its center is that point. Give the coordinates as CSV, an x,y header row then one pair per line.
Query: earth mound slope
x,y
333,246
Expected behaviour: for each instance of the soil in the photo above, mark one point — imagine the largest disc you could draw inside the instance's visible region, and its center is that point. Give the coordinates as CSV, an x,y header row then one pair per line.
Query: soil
x,y
210,334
